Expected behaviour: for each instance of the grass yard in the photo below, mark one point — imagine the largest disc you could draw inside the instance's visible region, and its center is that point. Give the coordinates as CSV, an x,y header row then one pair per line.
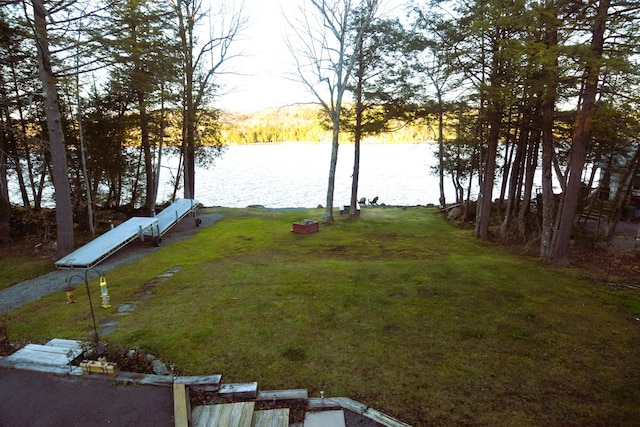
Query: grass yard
x,y
30,266
397,309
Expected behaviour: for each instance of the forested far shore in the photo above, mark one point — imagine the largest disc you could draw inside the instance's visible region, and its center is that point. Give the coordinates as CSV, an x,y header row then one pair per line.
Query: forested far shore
x,y
308,123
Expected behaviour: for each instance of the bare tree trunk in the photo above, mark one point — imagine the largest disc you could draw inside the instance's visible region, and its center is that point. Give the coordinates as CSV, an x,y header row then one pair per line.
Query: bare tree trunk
x,y
353,207
146,147
443,200
484,202
514,180
530,171
160,148
200,68
324,57
5,205
64,212
551,74
580,139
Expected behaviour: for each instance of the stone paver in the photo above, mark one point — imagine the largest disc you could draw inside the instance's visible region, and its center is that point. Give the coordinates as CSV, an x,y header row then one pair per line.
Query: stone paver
x,y
324,419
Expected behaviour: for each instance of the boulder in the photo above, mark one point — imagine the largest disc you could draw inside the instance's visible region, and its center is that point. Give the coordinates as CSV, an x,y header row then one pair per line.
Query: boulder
x,y
159,368
455,214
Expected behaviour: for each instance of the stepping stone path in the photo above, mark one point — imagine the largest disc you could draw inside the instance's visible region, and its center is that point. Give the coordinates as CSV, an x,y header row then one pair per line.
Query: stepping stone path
x,y
109,324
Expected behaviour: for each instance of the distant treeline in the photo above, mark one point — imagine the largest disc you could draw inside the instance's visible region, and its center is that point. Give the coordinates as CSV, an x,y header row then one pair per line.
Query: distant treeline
x,y
304,123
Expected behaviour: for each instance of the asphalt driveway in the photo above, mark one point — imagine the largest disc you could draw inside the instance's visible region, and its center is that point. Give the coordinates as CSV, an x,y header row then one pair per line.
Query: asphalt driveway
x,y
41,399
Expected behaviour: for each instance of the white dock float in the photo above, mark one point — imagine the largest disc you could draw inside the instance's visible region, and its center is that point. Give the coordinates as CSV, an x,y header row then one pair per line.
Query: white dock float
x,y
110,242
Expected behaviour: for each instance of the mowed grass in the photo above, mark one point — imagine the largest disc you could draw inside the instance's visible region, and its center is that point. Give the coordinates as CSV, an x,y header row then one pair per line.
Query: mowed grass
x,y
397,309
15,269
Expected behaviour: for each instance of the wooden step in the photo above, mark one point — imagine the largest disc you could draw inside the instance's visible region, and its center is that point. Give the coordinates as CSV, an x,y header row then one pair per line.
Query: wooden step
x,y
226,415
271,418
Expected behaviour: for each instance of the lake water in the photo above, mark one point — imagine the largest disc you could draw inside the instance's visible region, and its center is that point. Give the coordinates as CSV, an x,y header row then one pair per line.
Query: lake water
x,y
296,175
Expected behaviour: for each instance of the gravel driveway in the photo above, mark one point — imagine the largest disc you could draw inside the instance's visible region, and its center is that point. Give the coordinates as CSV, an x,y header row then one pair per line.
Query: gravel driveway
x,y
30,290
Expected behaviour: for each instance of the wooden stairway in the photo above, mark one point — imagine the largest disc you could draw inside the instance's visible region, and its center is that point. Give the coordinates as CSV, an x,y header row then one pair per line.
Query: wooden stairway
x,y
240,414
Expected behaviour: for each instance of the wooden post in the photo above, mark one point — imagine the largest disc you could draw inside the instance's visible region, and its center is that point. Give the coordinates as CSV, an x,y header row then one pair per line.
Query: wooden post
x,y
181,405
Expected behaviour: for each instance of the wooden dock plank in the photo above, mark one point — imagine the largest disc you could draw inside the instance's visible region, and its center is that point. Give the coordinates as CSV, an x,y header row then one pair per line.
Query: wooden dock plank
x,y
271,418
202,415
242,415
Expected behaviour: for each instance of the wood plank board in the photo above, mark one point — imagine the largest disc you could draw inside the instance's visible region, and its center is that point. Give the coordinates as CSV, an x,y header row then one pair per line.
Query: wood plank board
x,y
271,418
201,383
277,395
383,419
350,404
238,414
317,403
242,390
144,379
181,406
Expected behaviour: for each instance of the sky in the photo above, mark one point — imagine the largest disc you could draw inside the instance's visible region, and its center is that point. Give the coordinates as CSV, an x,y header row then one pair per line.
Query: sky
x,y
258,78
260,75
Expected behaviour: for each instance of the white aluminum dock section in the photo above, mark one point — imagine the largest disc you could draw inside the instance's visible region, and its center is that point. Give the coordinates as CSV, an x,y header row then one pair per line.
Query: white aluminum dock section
x,y
172,214
105,245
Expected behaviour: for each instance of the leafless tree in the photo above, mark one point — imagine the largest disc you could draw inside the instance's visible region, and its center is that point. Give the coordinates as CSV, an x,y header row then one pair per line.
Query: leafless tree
x,y
322,43
201,62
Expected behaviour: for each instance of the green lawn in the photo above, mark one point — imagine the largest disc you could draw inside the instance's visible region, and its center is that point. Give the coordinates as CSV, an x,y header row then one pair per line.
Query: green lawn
x,y
15,269
397,309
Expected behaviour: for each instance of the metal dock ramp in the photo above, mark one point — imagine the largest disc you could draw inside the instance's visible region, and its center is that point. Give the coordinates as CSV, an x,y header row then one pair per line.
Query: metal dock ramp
x,y
171,215
115,239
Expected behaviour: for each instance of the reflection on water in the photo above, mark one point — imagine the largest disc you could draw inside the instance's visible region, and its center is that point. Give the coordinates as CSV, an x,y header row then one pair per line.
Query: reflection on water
x,y
296,175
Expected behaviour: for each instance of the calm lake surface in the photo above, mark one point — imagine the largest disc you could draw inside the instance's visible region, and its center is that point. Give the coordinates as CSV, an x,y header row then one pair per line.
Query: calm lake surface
x,y
296,175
